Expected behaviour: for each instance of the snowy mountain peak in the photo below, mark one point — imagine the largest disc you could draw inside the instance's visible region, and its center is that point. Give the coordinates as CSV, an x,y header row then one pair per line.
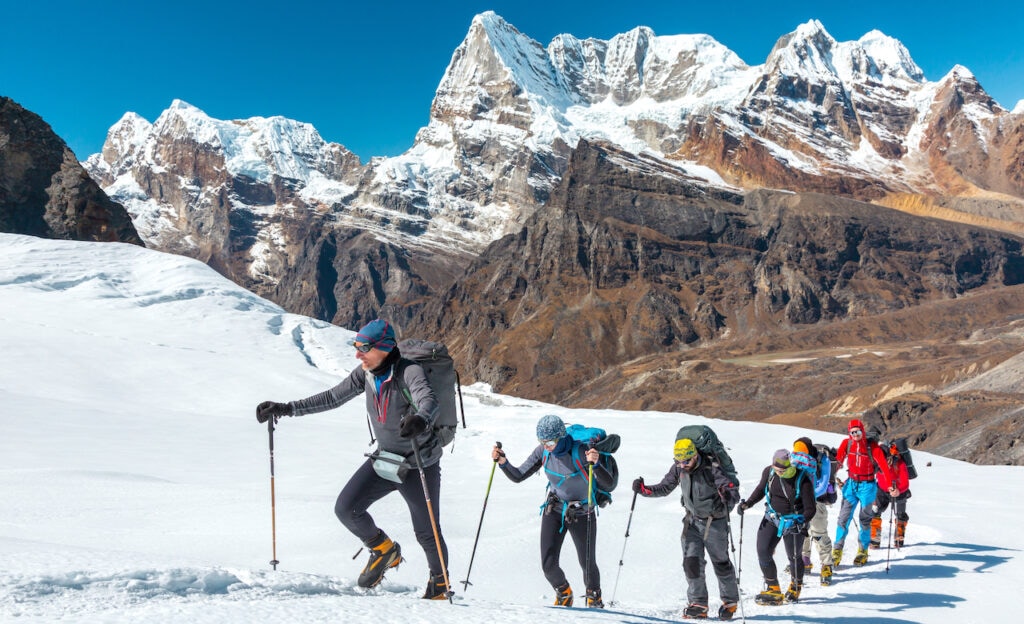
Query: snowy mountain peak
x,y
890,56
959,73
806,50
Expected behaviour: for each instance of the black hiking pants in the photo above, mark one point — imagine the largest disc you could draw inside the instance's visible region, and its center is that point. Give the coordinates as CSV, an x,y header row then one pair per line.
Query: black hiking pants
x,y
767,540
366,487
582,527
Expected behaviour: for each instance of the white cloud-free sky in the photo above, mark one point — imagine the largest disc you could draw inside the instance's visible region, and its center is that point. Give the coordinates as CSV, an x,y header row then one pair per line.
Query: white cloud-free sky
x,y
136,482
364,73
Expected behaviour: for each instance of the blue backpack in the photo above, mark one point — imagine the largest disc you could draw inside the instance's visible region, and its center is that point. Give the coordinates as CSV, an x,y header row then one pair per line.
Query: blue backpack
x,y
818,471
605,444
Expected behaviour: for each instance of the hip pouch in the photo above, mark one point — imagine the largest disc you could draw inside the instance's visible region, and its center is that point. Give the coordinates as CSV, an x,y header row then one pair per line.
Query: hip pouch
x,y
389,466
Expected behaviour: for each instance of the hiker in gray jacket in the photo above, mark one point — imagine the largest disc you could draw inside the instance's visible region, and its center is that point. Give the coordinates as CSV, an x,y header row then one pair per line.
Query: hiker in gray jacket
x,y
401,407
570,506
708,495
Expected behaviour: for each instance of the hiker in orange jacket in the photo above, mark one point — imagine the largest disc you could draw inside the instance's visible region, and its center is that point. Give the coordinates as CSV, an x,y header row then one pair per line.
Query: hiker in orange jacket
x,y
901,482
861,457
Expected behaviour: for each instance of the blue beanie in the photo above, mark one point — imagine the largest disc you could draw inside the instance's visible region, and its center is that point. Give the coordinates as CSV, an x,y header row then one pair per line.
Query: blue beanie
x,y
379,334
550,427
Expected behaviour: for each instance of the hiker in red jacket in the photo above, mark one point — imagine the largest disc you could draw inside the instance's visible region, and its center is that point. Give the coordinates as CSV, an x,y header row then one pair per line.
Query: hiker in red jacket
x,y
861,458
898,470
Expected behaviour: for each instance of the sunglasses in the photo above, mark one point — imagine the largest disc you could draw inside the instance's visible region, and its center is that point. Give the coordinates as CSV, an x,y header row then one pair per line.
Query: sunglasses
x,y
547,442
682,463
856,432
366,347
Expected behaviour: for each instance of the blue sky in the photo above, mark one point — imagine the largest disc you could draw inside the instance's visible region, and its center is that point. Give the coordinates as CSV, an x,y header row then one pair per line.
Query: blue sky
x,y
364,73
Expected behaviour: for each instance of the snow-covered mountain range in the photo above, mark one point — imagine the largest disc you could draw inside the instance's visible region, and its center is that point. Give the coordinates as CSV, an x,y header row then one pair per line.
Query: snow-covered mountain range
x,y
855,118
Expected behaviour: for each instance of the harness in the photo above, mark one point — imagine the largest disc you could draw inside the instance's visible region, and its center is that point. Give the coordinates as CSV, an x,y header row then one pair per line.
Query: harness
x,y
581,507
784,522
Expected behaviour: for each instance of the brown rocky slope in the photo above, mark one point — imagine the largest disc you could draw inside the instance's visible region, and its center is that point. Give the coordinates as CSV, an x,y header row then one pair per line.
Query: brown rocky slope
x,y
637,288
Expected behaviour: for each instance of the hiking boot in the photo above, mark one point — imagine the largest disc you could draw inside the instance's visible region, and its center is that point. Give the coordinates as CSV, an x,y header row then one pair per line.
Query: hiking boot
x,y
436,588
727,610
901,531
563,596
772,595
876,533
594,599
695,612
862,557
793,593
383,555
826,575
837,556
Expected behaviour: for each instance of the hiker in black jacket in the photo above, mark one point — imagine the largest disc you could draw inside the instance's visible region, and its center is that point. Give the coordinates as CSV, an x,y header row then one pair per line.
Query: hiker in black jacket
x,y
789,507
708,495
397,419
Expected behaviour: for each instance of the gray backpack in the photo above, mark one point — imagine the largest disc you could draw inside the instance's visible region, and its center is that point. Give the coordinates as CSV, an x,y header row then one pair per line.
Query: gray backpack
x,y
444,381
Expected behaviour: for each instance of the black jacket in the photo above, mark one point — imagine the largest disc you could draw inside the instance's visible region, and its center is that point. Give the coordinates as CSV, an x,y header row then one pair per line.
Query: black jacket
x,y
782,494
706,492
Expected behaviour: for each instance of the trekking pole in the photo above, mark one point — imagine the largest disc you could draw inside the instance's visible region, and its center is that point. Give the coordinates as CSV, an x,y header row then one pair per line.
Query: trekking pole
x,y
590,520
590,483
888,553
433,523
273,506
466,583
739,567
629,522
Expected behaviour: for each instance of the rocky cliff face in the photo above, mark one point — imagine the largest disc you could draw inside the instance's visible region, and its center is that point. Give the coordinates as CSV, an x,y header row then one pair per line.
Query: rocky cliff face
x,y
633,258
45,192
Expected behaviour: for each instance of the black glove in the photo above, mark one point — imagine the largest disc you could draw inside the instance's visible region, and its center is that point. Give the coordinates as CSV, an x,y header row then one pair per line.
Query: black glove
x,y
269,409
743,506
412,425
640,488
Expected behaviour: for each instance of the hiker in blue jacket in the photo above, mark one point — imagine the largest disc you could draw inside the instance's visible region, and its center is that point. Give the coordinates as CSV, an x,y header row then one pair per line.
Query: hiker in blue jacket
x,y
397,419
708,495
570,506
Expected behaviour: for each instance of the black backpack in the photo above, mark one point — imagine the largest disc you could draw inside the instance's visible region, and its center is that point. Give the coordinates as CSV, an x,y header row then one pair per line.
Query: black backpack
x,y
439,367
904,450
707,443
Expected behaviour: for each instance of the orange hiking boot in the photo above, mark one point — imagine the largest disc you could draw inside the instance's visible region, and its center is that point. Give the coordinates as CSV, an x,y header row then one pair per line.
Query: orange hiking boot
x,y
563,596
383,556
876,533
901,531
436,588
772,595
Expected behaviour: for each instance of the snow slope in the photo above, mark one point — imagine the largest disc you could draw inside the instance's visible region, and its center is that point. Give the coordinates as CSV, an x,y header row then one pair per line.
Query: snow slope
x,y
136,482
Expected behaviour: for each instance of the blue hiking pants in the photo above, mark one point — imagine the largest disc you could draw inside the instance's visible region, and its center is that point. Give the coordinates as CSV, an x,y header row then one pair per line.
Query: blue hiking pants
x,y
856,493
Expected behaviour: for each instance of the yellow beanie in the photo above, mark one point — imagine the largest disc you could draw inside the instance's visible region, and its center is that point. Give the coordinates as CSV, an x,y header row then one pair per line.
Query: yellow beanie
x,y
800,447
684,449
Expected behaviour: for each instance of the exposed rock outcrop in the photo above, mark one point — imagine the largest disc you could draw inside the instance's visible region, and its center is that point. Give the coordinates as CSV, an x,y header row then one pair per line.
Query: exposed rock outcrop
x,y
45,192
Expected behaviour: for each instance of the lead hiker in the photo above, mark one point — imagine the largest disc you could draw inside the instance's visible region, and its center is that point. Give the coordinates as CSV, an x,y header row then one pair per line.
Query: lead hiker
x,y
789,507
901,475
861,456
570,506
399,419
708,495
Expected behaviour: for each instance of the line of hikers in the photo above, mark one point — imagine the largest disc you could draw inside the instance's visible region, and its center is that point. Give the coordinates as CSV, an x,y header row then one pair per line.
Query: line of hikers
x,y
798,487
